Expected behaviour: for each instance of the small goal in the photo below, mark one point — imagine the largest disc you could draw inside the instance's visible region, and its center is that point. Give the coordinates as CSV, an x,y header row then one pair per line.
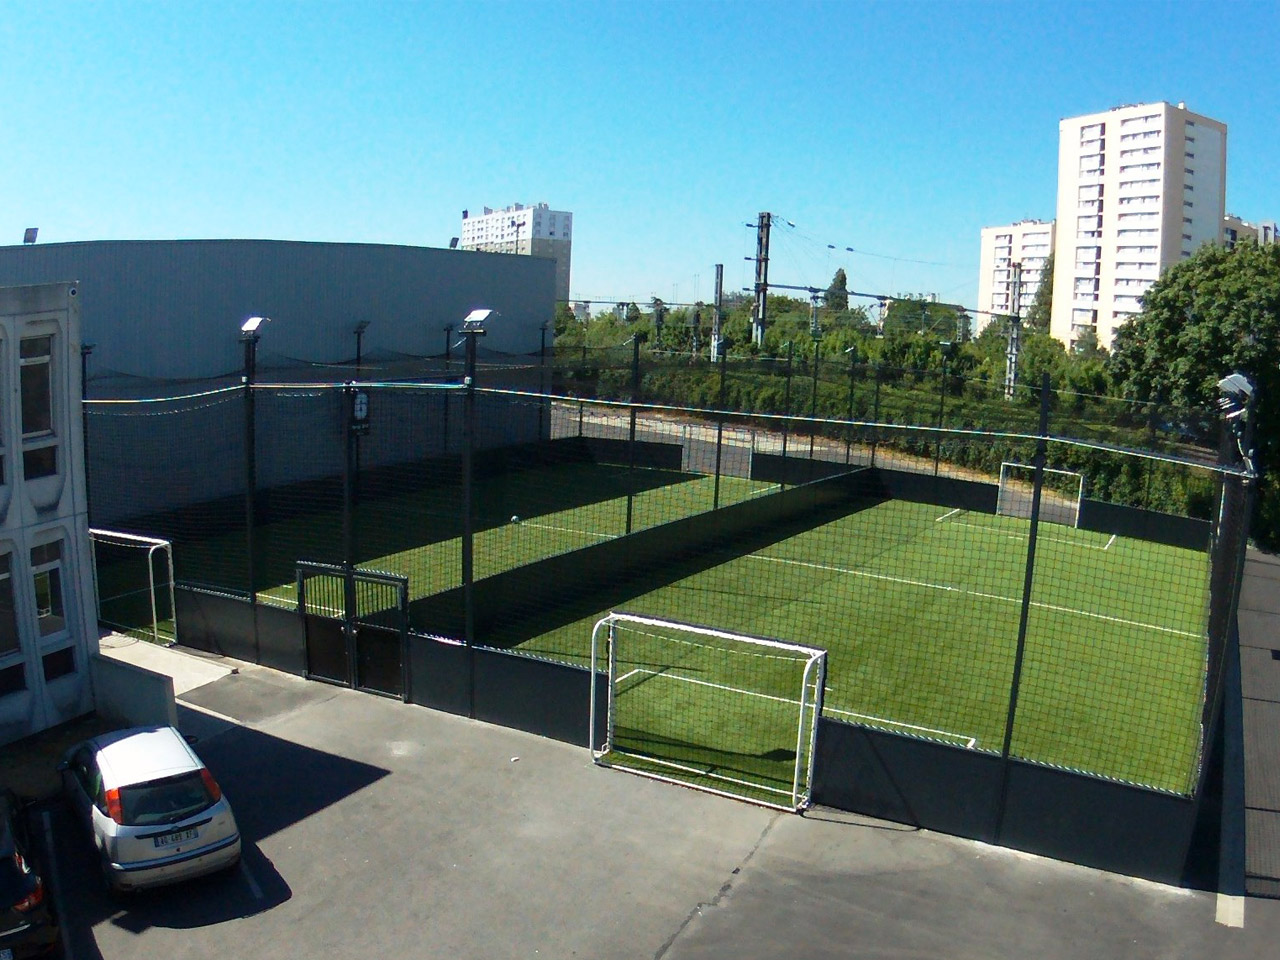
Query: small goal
x,y
133,579
724,712
1060,496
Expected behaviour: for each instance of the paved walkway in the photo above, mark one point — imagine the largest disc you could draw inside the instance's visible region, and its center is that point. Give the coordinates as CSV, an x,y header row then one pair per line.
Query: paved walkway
x,y
1260,687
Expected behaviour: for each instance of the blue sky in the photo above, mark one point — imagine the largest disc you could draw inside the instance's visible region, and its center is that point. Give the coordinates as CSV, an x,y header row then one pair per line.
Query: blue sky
x,y
898,129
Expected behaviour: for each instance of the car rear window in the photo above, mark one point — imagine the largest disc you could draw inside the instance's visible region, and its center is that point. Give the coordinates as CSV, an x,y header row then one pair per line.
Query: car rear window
x,y
164,801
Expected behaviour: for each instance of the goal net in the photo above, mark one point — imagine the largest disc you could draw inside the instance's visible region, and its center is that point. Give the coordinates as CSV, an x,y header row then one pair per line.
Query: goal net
x,y
724,712
1060,496
133,578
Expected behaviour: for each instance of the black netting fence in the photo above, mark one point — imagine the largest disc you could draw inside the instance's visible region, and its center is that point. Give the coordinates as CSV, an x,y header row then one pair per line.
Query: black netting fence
x,y
1059,595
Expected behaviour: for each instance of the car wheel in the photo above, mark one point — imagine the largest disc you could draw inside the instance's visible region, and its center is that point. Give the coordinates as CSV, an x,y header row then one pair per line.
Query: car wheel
x,y
109,878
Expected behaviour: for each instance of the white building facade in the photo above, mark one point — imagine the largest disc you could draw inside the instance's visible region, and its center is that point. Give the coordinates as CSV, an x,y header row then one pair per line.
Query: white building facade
x,y
1027,242
534,230
48,616
1140,188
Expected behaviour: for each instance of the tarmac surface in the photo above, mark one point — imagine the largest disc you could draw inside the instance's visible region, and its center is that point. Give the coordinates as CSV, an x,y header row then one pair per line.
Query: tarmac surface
x,y
376,828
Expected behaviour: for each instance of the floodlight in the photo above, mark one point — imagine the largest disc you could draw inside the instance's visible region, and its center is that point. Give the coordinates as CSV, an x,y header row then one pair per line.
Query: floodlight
x,y
29,235
362,326
251,325
474,321
1236,392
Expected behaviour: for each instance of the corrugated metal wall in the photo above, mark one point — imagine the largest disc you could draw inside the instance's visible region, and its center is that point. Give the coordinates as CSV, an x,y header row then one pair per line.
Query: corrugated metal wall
x,y
172,308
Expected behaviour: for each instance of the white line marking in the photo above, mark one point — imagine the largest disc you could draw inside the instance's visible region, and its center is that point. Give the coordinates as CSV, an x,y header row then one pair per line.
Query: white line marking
x,y
1230,912
57,884
707,683
1110,542
253,884
585,533
945,515
1023,536
969,742
975,593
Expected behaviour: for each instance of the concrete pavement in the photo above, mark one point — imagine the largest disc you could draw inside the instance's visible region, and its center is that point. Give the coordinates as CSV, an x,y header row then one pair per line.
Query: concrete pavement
x,y
378,828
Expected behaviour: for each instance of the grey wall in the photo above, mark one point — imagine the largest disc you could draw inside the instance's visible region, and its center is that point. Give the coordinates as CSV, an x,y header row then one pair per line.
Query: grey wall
x,y
172,308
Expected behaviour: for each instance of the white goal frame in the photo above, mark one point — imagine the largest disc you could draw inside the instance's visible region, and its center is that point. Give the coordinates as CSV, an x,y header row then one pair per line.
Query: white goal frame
x,y
151,545
808,703
1054,508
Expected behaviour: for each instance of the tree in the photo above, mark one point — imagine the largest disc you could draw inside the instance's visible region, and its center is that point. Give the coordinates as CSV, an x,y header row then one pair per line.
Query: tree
x,y
1214,314
1042,305
838,292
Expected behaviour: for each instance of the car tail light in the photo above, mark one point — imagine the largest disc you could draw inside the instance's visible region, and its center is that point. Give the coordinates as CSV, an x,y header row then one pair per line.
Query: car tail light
x,y
33,898
210,784
114,810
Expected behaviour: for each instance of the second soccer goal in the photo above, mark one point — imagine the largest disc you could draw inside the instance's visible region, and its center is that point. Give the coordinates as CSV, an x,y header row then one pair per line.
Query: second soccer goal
x,y
724,712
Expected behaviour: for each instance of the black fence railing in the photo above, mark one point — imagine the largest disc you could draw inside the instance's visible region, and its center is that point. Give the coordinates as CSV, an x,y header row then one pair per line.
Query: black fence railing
x,y
985,572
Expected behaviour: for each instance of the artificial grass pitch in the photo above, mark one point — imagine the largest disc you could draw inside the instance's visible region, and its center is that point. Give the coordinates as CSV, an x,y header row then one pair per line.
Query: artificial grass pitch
x,y
918,607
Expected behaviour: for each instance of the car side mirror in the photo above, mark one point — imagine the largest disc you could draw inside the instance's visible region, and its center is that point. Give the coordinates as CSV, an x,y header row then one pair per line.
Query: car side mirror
x,y
191,738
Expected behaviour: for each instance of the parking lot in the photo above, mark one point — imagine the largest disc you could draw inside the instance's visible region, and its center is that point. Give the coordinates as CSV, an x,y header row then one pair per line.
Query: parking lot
x,y
372,828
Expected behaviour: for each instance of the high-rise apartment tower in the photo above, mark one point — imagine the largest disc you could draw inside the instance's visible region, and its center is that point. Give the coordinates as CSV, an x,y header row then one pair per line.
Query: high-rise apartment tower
x,y
1140,187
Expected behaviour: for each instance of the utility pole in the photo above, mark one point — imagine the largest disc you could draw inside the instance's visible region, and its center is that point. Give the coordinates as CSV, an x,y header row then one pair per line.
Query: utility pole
x,y
717,336
762,278
1015,332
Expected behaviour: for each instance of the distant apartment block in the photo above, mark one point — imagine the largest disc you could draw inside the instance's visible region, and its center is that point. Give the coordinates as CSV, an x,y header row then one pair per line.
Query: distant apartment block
x,y
1140,187
1028,242
1234,229
533,230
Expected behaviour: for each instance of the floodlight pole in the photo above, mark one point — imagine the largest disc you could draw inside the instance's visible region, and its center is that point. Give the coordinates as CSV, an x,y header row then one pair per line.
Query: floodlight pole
x,y
723,360
813,403
471,330
249,337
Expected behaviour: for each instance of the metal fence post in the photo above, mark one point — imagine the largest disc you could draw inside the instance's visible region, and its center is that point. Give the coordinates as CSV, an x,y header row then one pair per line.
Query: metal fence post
x,y
875,417
786,397
723,358
631,435
1041,455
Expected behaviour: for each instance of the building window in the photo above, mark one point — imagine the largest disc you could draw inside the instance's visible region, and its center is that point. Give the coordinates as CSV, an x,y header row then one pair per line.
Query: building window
x,y
1186,236
40,462
60,663
12,680
46,574
9,642
1187,203
37,389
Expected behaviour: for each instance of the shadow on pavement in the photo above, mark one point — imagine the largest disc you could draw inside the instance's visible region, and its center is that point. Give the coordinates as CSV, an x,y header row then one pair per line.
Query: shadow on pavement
x,y
272,783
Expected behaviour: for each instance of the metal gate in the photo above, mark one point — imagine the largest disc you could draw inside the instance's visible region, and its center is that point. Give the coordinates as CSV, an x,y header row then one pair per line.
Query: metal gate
x,y
356,624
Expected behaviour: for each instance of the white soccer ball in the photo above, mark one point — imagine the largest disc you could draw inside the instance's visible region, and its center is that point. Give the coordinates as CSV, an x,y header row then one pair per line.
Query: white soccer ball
x,y
514,518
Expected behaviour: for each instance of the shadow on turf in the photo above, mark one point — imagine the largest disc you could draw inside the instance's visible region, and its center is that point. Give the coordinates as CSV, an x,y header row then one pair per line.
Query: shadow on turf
x,y
572,600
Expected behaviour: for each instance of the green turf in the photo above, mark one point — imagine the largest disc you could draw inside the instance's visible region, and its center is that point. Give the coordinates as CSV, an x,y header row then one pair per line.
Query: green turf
x,y
918,607
417,534
919,615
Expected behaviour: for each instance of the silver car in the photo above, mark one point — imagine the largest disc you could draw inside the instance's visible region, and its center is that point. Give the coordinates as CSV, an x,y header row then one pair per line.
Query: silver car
x,y
154,811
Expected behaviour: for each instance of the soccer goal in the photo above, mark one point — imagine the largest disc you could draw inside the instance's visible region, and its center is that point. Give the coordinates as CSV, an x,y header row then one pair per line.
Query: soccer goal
x,y
723,712
133,579
1060,496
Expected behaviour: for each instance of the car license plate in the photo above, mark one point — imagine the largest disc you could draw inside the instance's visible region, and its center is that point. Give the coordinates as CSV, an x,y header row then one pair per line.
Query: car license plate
x,y
169,839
